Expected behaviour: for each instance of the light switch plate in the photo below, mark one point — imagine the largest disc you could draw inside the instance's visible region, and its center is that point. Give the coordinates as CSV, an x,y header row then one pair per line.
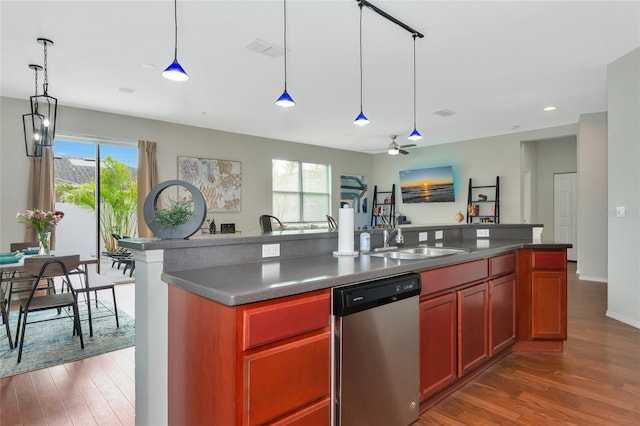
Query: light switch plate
x,y
482,233
620,211
270,250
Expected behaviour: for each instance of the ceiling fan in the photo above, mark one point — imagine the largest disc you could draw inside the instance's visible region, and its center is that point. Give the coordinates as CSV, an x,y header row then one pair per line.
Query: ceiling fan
x,y
395,149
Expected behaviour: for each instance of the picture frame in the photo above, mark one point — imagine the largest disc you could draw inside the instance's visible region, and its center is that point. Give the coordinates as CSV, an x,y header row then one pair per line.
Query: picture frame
x,y
220,181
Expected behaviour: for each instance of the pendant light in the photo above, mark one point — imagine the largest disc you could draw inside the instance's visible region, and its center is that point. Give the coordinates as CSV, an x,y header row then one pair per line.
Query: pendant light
x,y
415,135
361,119
285,100
44,104
33,125
175,71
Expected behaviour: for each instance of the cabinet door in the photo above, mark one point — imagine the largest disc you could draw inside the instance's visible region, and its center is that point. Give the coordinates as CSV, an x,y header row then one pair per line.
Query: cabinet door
x,y
437,344
549,304
285,378
502,295
473,327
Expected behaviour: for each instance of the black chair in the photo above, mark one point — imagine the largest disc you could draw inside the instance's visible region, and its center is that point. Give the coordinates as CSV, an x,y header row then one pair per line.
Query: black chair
x,y
5,314
47,267
332,222
94,286
267,223
23,286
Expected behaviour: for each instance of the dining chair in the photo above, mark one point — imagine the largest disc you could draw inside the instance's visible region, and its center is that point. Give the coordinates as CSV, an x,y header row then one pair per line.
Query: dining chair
x,y
22,286
266,223
48,267
21,246
94,285
5,313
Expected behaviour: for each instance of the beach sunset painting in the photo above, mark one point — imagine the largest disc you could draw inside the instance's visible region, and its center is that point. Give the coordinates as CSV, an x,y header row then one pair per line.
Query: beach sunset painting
x,y
431,185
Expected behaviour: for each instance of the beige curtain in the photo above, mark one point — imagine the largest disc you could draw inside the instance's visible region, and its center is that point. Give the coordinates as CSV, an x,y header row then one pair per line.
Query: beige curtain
x,y
147,179
41,189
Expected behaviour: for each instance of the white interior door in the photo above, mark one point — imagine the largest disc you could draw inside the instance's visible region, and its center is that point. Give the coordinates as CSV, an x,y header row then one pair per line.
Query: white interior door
x,y
564,211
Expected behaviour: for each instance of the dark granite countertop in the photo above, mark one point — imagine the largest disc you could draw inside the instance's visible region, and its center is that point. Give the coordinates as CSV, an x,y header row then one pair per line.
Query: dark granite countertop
x,y
244,283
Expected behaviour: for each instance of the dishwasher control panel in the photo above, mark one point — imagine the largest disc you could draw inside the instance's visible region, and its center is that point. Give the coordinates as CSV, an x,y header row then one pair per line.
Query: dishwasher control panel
x,y
356,297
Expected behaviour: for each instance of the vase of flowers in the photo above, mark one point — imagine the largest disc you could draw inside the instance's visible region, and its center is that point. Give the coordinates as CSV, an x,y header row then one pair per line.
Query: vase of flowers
x,y
43,223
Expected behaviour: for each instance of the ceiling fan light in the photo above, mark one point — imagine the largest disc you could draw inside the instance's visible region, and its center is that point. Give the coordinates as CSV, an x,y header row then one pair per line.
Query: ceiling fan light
x,y
393,149
175,72
415,135
361,120
285,100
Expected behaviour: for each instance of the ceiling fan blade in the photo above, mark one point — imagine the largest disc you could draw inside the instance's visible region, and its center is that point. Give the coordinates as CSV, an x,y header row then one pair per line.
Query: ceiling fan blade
x,y
409,145
402,151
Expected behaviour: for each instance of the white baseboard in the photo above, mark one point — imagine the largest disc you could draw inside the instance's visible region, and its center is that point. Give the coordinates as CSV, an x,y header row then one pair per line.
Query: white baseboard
x,y
623,318
588,278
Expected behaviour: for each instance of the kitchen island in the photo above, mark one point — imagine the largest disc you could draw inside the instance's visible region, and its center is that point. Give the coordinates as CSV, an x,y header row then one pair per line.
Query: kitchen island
x,y
250,340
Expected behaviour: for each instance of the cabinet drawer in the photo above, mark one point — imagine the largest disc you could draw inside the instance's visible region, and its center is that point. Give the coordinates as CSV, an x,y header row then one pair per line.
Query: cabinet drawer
x,y
502,265
549,259
273,322
318,414
452,276
285,378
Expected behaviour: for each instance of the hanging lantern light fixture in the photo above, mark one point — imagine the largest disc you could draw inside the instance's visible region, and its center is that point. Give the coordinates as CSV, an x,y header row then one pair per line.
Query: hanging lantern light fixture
x,y
44,104
33,125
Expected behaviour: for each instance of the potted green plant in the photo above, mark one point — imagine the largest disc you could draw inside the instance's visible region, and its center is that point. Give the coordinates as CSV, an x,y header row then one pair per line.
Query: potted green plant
x,y
181,219
177,213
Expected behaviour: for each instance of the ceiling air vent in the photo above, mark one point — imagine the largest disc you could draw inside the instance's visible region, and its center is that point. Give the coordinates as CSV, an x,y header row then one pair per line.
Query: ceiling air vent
x,y
266,48
445,113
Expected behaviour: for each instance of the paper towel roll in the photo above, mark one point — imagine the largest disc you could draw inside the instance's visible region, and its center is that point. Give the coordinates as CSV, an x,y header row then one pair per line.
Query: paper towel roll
x,y
345,231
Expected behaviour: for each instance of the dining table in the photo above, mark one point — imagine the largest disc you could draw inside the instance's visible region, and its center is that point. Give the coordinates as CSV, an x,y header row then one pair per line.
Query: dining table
x,y
11,273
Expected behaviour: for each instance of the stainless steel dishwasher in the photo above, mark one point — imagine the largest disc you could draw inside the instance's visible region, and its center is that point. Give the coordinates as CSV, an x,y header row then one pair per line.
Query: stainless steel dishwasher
x,y
376,365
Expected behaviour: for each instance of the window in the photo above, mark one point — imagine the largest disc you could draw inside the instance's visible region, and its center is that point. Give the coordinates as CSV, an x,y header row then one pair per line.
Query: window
x,y
301,191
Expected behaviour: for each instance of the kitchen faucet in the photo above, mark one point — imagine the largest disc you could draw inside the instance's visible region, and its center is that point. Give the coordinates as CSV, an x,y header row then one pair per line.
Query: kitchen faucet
x,y
387,233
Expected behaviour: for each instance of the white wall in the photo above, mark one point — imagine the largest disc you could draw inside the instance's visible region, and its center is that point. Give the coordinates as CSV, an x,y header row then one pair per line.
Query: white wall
x,y
480,159
173,140
529,164
624,189
592,197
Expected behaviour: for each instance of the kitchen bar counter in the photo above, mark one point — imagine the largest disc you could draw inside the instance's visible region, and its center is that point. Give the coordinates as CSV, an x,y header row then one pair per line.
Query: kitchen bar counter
x,y
239,284
228,271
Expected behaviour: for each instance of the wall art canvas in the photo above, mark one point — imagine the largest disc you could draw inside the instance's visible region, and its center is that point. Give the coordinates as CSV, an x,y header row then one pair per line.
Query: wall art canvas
x,y
220,181
430,185
353,191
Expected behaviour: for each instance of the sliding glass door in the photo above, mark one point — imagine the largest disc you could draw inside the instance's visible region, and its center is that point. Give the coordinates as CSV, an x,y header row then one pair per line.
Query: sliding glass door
x,y
97,201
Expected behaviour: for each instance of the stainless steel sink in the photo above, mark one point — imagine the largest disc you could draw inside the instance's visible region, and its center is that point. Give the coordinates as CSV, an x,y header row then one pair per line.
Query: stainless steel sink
x,y
399,255
419,253
433,251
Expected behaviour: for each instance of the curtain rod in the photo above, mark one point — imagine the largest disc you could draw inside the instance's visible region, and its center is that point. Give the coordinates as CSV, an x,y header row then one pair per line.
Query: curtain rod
x,y
389,17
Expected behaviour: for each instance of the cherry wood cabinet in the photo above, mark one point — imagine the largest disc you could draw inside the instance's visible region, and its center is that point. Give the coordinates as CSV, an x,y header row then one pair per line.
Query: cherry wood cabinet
x,y
438,338
473,327
542,299
266,362
502,314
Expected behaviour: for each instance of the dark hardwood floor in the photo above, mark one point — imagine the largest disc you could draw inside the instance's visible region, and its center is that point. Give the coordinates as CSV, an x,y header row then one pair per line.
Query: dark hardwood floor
x,y
596,381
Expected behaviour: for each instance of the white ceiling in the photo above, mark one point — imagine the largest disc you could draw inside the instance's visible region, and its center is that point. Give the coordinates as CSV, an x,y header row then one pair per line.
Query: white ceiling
x,y
496,64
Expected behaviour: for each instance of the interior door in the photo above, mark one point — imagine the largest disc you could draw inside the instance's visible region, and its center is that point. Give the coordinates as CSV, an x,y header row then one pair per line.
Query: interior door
x,y
564,211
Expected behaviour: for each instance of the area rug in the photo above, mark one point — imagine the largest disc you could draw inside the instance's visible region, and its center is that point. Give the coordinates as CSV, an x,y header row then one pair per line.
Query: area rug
x,y
51,343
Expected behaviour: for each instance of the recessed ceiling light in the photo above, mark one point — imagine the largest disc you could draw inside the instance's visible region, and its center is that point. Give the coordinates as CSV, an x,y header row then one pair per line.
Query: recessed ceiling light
x,y
550,108
445,113
515,127
148,66
126,90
